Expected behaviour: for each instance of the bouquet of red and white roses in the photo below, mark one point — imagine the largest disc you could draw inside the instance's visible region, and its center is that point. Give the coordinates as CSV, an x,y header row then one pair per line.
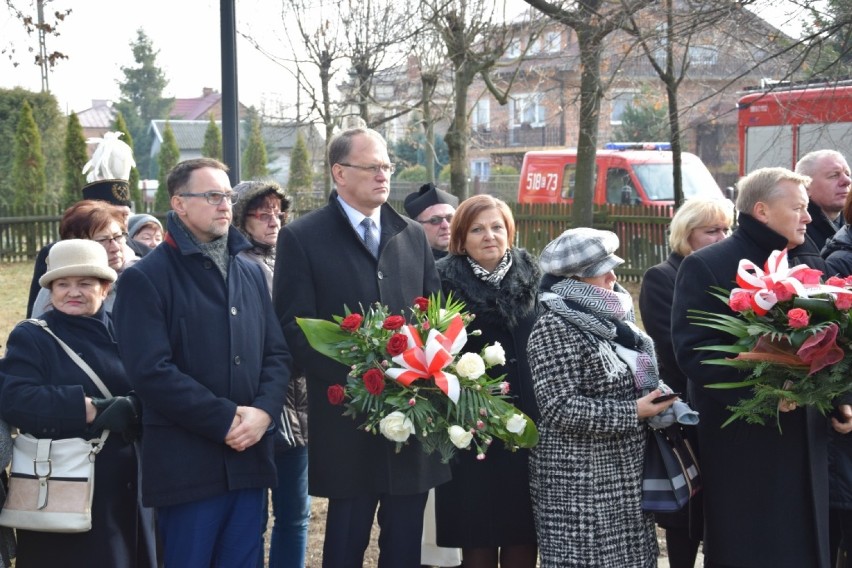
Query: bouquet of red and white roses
x,y
409,377
793,335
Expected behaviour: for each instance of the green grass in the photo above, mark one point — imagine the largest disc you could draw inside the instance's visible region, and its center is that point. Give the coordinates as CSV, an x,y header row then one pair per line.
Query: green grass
x,y
14,290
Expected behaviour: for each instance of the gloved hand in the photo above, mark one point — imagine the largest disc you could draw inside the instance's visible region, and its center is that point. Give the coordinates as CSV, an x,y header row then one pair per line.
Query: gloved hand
x,y
119,414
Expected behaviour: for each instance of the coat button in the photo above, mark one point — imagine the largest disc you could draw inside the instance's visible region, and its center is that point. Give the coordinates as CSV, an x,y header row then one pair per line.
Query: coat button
x,y
233,310
237,360
380,275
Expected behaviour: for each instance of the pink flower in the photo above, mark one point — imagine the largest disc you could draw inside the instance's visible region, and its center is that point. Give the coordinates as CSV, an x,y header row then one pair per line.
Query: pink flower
x,y
836,281
797,318
808,276
412,401
480,457
782,292
480,424
821,350
504,387
740,301
843,301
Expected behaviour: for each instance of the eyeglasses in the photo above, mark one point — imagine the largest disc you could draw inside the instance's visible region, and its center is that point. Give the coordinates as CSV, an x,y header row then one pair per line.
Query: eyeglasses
x,y
437,219
117,239
386,169
267,217
213,197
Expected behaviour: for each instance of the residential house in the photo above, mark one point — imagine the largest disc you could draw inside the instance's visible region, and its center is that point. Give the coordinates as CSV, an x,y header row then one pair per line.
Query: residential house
x,y
279,140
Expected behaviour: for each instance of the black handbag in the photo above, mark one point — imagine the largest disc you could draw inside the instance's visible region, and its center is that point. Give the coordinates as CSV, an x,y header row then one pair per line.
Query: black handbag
x,y
670,475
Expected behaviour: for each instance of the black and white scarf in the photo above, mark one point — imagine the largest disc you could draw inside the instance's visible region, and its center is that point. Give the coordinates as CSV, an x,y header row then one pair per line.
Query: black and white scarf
x,y
608,315
495,276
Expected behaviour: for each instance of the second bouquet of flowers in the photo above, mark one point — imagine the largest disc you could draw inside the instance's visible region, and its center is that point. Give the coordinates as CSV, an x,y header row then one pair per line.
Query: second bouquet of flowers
x,y
410,377
792,334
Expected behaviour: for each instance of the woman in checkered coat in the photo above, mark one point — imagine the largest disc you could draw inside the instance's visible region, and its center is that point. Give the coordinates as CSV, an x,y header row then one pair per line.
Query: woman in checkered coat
x,y
594,376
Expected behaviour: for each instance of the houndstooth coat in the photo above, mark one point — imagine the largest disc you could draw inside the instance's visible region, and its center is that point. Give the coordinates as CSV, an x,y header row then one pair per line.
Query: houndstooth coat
x,y
586,471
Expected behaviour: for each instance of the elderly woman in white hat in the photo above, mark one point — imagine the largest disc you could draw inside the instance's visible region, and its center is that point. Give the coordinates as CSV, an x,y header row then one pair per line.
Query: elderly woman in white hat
x,y
45,393
595,377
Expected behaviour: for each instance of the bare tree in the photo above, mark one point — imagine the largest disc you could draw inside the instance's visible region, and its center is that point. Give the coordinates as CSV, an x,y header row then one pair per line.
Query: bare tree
x,y
43,27
476,36
592,21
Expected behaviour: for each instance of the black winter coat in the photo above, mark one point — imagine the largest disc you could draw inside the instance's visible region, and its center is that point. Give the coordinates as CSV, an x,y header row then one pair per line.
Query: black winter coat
x,y
322,266
43,394
765,493
487,503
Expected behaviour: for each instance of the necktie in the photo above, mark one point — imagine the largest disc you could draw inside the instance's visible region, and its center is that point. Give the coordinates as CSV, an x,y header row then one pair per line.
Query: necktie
x,y
369,238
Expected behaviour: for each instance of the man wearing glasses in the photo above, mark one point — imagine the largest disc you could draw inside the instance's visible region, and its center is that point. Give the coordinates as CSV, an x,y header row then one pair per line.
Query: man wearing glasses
x,y
433,208
351,253
208,360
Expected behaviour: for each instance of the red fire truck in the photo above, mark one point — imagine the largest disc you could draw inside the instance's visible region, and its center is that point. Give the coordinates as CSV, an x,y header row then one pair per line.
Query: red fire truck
x,y
778,125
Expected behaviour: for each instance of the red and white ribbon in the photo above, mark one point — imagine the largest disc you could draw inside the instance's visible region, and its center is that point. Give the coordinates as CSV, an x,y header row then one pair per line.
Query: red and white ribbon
x,y
428,361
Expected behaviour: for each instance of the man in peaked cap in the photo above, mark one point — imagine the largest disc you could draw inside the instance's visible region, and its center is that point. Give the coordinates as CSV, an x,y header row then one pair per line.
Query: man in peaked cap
x,y
433,209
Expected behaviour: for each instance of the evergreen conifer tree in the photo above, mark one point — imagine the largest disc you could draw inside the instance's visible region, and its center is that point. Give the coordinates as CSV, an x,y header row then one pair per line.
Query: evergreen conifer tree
x,y
29,181
76,157
212,140
254,157
167,159
301,175
120,125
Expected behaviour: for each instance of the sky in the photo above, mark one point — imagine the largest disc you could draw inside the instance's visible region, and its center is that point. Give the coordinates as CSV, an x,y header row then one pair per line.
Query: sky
x,y
97,35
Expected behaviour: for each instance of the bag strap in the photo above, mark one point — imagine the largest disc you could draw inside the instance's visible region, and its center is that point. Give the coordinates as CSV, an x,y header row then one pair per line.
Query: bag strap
x,y
74,357
84,366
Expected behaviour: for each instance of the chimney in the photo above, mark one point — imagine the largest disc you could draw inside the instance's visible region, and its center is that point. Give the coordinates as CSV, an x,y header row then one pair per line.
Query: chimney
x,y
207,91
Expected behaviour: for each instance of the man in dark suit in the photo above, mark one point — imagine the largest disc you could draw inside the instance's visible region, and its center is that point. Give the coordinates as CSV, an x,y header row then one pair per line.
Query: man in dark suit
x,y
351,253
765,493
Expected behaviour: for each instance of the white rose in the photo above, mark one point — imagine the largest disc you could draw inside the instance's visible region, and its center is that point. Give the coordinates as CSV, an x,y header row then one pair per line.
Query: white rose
x,y
470,366
396,427
460,437
516,424
494,354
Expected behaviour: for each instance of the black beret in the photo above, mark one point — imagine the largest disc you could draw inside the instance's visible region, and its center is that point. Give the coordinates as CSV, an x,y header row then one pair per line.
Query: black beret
x,y
428,196
115,191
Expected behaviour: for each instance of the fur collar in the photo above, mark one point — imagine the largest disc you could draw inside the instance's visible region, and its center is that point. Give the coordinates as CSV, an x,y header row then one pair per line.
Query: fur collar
x,y
504,306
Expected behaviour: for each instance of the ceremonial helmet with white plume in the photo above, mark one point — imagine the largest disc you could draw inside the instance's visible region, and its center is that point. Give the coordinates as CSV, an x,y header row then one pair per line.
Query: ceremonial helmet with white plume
x,y
108,171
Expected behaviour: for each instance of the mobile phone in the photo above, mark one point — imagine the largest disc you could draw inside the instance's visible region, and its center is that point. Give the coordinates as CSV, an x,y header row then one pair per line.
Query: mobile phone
x,y
665,397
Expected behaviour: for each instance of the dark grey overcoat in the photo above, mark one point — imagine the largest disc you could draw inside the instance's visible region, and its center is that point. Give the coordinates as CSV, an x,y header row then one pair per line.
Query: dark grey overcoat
x,y
322,265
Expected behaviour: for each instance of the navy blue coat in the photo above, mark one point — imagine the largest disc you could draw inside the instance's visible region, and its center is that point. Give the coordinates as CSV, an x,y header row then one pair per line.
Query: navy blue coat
x,y
765,493
43,395
321,266
195,348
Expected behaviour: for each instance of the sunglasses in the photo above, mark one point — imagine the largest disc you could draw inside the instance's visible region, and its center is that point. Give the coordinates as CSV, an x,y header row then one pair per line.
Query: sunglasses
x,y
437,219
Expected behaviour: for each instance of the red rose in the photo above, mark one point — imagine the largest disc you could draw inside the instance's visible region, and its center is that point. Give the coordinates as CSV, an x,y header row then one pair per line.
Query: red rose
x,y
421,303
821,350
843,301
836,281
397,344
740,301
782,292
336,394
374,382
351,322
393,322
797,318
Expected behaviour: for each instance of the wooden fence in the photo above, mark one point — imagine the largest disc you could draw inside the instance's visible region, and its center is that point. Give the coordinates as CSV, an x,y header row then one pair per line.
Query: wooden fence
x,y
642,230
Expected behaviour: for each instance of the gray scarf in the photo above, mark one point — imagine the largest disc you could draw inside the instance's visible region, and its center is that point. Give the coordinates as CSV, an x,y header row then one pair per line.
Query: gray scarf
x,y
495,276
216,250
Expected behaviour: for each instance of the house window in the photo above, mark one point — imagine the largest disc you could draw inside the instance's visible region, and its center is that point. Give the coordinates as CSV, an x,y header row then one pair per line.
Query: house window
x,y
703,55
514,49
384,92
481,119
620,101
553,42
527,109
535,47
480,169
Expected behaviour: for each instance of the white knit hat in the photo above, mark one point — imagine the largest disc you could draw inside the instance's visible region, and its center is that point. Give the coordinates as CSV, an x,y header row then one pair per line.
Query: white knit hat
x,y
77,257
